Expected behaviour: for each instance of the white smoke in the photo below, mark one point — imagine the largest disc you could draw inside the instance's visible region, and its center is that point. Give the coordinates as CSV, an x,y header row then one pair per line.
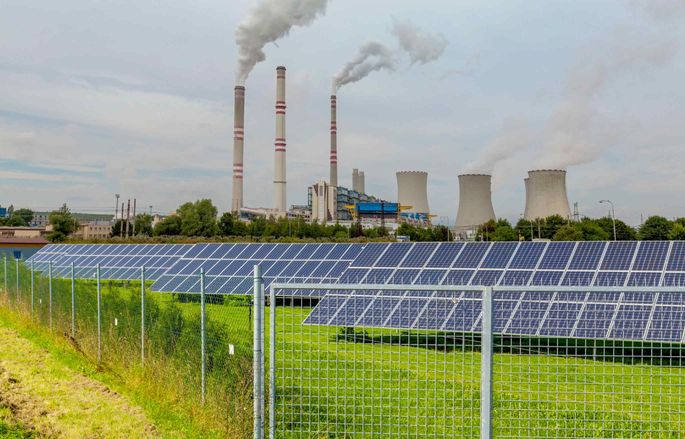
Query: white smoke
x,y
575,136
514,136
421,46
267,22
372,56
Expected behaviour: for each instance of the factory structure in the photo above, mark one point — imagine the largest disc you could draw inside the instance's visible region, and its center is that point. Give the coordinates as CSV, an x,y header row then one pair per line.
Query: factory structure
x,y
329,201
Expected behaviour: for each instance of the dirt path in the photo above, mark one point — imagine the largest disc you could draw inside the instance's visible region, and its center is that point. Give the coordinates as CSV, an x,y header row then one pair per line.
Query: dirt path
x,y
52,400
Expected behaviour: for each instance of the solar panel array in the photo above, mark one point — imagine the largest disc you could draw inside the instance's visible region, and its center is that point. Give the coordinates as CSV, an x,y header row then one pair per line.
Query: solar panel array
x,y
228,268
117,261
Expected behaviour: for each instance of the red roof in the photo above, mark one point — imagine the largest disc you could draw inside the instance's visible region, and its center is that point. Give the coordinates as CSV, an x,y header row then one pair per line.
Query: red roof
x,y
24,241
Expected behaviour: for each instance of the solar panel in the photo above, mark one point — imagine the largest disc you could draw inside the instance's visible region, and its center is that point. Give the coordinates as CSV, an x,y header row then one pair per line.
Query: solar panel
x,y
499,255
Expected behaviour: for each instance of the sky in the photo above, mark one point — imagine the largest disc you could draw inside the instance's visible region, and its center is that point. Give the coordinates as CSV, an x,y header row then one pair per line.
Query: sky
x,y
135,98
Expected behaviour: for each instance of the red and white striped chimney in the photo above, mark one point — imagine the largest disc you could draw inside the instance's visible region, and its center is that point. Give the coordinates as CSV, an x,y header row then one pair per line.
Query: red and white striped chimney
x,y
279,172
334,143
238,139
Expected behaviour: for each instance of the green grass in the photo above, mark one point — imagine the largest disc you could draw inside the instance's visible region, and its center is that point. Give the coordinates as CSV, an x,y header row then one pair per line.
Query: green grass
x,y
372,383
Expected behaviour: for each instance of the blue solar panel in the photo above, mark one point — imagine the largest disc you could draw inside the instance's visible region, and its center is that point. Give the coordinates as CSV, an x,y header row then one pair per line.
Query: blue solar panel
x,y
486,278
406,313
464,316
516,277
393,255
528,317
610,279
587,255
619,255
419,254
404,276
445,255
644,279
472,254
547,278
499,255
561,319
369,255
676,260
651,255
378,276
668,324
557,255
435,314
527,255
578,278
594,321
630,322
458,277
379,311
430,277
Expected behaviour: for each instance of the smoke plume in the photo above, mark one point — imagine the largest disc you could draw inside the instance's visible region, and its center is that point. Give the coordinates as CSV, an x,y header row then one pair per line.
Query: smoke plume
x,y
267,22
514,136
575,137
421,46
372,56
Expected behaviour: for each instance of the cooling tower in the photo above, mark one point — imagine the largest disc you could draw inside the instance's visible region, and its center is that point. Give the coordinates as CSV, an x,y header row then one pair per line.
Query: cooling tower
x,y
361,179
355,180
475,201
546,194
279,143
412,190
334,143
527,187
238,139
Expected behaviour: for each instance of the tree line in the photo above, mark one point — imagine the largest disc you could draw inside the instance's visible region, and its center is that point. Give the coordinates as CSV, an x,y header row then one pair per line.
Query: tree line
x,y
557,228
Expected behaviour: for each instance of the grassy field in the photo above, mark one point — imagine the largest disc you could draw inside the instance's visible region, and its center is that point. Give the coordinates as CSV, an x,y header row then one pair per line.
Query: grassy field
x,y
335,382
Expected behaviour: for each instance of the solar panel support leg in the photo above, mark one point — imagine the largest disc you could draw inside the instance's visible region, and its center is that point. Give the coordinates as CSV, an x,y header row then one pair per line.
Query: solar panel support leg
x,y
486,366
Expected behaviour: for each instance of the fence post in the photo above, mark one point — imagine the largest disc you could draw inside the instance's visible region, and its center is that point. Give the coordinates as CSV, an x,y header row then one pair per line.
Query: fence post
x,y
97,276
16,263
73,302
32,282
142,315
272,363
257,354
202,331
5,278
50,293
486,367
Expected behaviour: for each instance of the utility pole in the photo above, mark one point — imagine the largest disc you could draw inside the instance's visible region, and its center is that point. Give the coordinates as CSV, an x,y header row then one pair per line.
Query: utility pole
x,y
128,214
134,218
150,206
121,224
613,215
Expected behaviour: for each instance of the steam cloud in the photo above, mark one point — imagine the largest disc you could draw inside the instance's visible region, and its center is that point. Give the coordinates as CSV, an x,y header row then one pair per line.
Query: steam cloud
x,y
573,131
421,47
372,56
514,136
267,22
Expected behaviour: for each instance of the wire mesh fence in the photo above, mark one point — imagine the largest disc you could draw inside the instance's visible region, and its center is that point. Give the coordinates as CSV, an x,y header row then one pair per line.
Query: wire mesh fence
x,y
157,340
388,361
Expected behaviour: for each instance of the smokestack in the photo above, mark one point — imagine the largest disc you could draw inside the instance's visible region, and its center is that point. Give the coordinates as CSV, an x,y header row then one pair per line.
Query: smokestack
x,y
412,190
546,194
334,143
279,143
238,136
526,183
361,180
475,201
355,180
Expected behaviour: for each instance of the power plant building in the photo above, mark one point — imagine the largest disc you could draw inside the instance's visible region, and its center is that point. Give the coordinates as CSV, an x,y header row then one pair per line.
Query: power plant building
x,y
546,194
475,202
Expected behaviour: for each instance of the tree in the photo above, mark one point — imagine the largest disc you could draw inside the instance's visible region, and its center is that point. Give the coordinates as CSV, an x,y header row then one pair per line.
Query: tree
x,y
63,224
568,232
16,221
623,231
25,214
551,224
198,218
117,226
169,226
655,228
356,230
504,232
677,231
591,231
524,228
143,223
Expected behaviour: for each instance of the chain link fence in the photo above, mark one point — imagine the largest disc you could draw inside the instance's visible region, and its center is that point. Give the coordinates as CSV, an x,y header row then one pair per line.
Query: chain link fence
x,y
195,357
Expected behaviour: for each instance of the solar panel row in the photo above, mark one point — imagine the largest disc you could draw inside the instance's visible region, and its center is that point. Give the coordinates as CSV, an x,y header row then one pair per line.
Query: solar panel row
x,y
547,314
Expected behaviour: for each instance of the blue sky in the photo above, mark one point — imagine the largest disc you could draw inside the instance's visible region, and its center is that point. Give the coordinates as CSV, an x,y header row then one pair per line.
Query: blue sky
x,y
135,98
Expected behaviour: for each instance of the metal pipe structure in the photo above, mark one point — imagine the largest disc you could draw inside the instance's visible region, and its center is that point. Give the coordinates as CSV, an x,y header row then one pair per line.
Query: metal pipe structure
x,y
258,355
486,366
334,142
142,315
238,145
279,143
